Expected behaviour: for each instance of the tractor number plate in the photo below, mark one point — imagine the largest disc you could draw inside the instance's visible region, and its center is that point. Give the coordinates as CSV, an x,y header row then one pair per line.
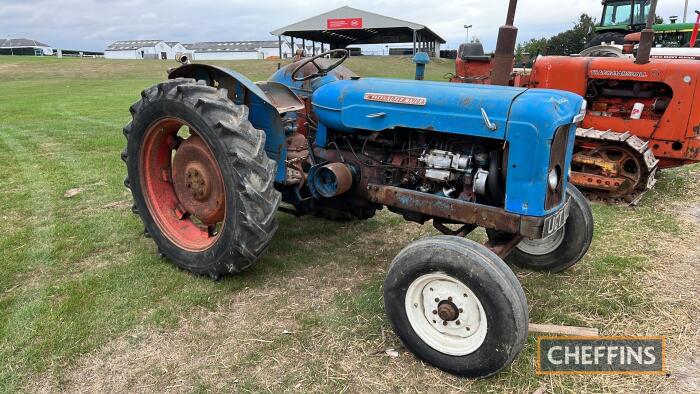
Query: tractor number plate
x,y
557,220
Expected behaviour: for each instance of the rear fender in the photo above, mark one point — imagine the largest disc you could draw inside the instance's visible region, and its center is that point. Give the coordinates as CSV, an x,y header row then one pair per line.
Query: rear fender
x,y
266,102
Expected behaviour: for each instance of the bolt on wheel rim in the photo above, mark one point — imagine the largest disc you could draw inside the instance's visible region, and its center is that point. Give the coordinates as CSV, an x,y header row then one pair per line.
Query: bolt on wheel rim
x,y
446,314
541,247
182,185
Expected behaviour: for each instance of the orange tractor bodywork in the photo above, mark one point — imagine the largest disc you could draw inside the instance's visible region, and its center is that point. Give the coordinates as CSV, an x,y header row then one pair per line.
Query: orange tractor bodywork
x,y
670,121
640,117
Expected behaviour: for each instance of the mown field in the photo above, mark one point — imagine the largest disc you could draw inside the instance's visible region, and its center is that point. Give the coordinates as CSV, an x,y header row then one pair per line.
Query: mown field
x,y
87,305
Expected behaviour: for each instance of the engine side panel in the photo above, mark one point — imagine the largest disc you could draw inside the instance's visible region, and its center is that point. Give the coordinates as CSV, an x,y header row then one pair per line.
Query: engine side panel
x,y
379,104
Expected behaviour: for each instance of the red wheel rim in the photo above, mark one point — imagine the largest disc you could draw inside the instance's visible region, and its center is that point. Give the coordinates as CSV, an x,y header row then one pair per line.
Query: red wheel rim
x,y
182,185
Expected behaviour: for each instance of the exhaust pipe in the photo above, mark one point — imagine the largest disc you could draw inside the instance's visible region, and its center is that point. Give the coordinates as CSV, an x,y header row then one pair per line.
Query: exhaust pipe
x,y
647,37
182,58
332,179
505,49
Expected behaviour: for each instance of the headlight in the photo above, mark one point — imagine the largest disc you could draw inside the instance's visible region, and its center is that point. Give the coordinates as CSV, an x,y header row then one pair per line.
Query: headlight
x,y
553,178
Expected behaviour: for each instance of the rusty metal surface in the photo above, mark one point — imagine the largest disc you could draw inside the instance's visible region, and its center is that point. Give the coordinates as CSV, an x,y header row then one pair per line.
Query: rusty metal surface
x,y
503,247
445,208
447,311
605,165
197,181
341,174
282,98
505,49
602,177
598,181
646,40
297,155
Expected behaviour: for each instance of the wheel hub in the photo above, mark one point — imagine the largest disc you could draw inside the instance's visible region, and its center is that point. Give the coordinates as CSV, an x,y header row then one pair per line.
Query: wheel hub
x,y
197,181
448,311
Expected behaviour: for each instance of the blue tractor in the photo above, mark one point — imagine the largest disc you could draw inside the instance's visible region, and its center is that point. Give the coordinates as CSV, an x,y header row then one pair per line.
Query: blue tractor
x,y
211,156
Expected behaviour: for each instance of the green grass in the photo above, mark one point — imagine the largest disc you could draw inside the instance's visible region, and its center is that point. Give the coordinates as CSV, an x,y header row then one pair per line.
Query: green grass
x,y
77,275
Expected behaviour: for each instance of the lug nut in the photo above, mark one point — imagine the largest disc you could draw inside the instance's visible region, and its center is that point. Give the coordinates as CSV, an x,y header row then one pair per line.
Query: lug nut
x,y
460,310
437,300
449,298
434,312
457,322
444,323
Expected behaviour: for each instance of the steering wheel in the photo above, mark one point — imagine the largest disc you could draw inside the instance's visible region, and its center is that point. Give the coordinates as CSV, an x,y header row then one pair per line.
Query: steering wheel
x,y
321,71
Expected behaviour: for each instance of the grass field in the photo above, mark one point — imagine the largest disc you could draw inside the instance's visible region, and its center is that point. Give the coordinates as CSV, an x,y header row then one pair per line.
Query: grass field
x,y
86,304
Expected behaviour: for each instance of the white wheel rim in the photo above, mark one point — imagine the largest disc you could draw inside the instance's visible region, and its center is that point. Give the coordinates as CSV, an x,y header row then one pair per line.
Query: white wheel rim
x,y
458,337
540,247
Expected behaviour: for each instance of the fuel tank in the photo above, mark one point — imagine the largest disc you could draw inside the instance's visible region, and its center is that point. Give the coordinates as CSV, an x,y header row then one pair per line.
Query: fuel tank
x,y
377,104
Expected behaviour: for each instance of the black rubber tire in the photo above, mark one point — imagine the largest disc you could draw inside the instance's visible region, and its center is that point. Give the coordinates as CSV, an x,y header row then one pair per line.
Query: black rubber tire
x,y
239,149
607,37
487,276
578,235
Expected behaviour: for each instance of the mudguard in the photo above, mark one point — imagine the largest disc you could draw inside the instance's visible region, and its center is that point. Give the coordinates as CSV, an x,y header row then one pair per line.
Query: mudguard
x,y
265,101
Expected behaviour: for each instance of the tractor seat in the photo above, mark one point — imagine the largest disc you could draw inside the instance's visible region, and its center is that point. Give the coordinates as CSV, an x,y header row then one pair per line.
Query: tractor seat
x,y
473,51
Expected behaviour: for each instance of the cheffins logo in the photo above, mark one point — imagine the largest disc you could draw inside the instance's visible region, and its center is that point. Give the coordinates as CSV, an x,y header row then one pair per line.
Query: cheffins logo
x,y
601,355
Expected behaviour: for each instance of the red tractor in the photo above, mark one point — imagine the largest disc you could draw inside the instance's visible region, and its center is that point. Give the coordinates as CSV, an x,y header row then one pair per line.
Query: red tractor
x,y
643,114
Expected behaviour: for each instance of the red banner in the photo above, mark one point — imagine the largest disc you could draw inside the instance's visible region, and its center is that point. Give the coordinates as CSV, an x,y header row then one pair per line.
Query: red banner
x,y
345,23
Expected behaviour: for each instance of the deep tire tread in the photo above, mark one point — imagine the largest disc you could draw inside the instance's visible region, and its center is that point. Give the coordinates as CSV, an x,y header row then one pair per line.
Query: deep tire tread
x,y
256,198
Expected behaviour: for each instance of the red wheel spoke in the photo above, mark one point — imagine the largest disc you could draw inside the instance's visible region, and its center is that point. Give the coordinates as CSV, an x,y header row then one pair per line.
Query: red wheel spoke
x,y
166,175
182,184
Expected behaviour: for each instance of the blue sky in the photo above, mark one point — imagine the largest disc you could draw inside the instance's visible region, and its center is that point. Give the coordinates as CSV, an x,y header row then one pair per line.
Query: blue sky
x,y
93,24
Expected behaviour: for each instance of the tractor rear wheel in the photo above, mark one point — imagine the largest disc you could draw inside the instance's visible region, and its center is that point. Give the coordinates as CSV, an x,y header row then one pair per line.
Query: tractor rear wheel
x,y
456,305
608,38
200,178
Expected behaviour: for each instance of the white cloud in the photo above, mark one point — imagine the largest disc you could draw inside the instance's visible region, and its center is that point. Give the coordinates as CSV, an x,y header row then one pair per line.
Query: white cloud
x,y
93,24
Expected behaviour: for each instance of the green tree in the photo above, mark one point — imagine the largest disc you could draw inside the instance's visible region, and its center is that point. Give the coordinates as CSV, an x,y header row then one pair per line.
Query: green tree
x,y
531,47
565,43
572,40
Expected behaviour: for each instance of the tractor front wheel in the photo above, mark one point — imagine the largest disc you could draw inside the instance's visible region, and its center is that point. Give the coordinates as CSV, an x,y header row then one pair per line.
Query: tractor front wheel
x,y
200,178
562,249
456,305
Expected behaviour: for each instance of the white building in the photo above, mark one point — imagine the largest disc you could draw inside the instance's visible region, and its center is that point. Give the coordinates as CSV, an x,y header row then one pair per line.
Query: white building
x,y
143,49
24,46
175,48
238,50
222,50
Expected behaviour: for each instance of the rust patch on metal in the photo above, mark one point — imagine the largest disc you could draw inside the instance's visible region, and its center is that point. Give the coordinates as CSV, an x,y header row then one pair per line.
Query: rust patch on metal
x,y
445,208
605,165
197,182
598,181
503,247
447,311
